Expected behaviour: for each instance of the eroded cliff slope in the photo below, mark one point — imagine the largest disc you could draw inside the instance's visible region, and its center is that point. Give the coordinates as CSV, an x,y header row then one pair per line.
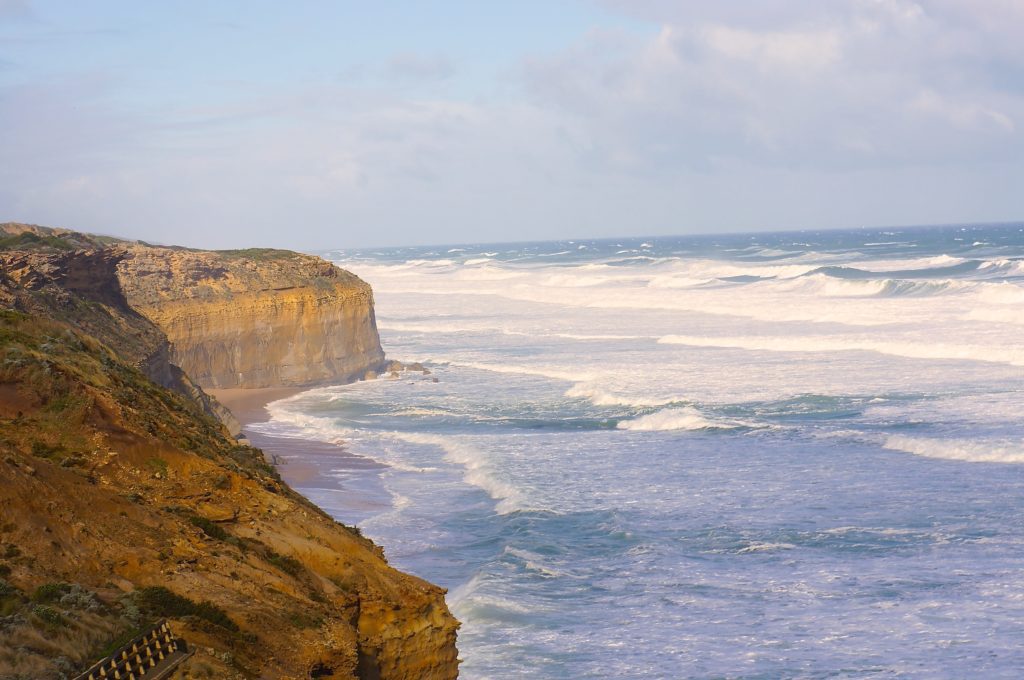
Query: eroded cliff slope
x,y
255,318
122,501
72,277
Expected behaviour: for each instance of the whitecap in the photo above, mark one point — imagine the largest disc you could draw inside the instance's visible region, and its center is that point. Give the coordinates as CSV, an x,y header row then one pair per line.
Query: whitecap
x,y
478,470
532,561
684,418
972,450
601,397
766,547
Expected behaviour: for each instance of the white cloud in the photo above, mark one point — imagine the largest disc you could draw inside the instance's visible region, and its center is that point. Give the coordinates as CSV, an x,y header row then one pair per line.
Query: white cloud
x,y
966,116
851,84
772,50
751,114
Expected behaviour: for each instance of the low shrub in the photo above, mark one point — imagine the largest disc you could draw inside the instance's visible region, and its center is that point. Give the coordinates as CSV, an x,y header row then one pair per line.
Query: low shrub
x,y
41,449
7,590
209,527
48,615
304,621
239,543
160,601
158,465
214,614
50,592
285,563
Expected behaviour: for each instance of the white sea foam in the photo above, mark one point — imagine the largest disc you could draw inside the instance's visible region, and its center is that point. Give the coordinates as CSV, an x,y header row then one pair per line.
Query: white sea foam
x,y
683,418
586,329
479,471
287,420
1004,314
828,286
572,280
973,450
1003,293
585,336
766,547
917,263
915,349
676,281
488,273
541,371
533,561
420,412
602,397
427,327
430,264
1002,268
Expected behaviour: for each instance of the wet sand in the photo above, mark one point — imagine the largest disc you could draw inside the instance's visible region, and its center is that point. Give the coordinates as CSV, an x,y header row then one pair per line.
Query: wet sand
x,y
345,485
250,405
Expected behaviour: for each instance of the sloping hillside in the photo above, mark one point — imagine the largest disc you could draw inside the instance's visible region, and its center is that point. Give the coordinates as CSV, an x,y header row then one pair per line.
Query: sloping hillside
x,y
122,501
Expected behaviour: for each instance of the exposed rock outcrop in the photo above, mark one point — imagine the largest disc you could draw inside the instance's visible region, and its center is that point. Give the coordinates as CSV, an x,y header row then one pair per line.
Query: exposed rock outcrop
x,y
121,499
81,288
255,318
114,485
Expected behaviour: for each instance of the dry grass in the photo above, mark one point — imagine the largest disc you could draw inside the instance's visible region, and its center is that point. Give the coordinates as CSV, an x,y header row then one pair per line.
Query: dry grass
x,y
30,647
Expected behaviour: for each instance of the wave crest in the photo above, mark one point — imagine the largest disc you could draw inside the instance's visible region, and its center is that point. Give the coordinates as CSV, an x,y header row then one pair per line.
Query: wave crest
x,y
684,418
972,450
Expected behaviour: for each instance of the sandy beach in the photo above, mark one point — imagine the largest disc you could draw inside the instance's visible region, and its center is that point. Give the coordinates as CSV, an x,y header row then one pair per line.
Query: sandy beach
x,y
250,405
346,485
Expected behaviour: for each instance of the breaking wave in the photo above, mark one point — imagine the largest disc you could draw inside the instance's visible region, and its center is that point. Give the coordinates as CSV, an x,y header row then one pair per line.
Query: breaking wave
x,y
601,397
972,450
479,471
685,418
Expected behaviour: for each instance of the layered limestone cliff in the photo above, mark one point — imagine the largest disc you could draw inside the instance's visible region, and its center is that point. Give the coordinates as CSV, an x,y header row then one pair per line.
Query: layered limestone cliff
x,y
255,318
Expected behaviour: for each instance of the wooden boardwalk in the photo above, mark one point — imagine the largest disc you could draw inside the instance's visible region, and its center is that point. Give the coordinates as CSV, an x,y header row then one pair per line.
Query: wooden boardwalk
x,y
153,655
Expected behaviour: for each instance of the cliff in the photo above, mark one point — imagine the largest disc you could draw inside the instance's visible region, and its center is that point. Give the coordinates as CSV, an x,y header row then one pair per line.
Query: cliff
x,y
254,318
122,500
49,276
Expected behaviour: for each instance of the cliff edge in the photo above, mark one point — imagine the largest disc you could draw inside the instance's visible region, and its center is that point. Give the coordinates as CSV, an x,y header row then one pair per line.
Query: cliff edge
x,y
254,318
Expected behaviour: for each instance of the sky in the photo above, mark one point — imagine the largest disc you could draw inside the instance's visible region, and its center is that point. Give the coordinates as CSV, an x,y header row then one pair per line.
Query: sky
x,y
315,124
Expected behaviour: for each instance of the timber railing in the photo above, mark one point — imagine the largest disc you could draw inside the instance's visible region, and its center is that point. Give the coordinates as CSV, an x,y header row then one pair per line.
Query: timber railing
x,y
152,655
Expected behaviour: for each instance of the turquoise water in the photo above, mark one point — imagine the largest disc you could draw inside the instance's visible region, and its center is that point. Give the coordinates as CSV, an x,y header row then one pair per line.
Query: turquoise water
x,y
752,456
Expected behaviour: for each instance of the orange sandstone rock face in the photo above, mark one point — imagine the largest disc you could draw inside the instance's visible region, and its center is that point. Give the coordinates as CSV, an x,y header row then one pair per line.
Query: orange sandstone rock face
x,y
255,318
112,484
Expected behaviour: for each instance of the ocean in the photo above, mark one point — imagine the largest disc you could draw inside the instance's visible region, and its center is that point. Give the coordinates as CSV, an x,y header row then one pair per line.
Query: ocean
x,y
789,455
